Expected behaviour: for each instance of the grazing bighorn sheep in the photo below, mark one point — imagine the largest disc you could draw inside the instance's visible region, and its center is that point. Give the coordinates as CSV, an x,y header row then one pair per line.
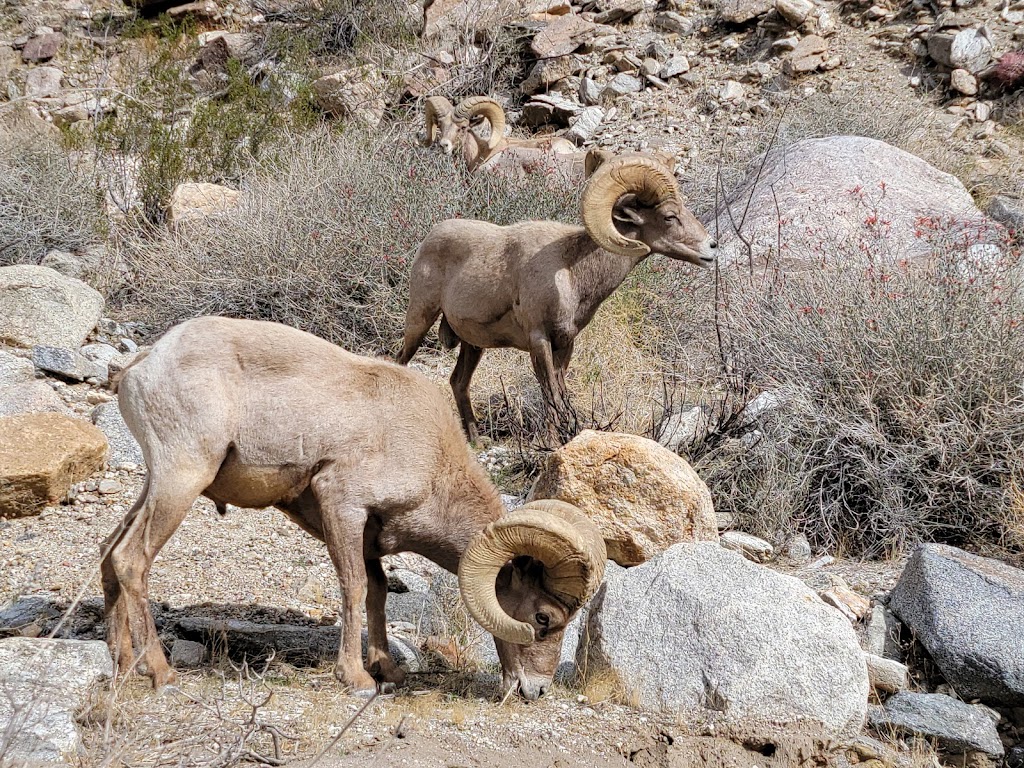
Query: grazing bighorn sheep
x,y
363,454
449,127
535,285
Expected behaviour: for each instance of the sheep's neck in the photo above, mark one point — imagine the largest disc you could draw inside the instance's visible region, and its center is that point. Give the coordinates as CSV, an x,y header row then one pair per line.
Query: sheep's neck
x,y
596,273
472,503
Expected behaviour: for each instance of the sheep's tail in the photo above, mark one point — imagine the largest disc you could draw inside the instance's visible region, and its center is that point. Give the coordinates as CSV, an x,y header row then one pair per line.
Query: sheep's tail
x,y
115,380
448,338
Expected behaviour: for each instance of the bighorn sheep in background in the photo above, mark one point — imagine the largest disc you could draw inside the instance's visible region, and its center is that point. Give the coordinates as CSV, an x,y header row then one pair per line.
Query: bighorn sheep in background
x,y
535,285
363,454
449,127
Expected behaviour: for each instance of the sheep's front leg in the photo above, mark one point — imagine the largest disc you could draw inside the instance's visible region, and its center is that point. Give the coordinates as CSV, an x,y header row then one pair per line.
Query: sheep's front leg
x,y
544,369
378,656
344,522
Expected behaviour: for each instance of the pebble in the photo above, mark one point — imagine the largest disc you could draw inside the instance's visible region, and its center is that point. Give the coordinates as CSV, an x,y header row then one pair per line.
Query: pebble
x,y
109,487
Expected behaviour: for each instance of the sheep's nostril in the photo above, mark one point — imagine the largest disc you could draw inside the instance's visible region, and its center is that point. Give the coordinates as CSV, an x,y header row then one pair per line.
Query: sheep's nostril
x,y
713,244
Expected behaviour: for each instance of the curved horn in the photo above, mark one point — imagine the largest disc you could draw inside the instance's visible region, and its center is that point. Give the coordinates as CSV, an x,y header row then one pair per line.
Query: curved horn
x,y
564,539
488,108
434,108
641,175
595,158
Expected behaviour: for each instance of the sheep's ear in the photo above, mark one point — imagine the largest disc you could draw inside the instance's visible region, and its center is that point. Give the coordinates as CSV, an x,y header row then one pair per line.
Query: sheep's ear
x,y
628,215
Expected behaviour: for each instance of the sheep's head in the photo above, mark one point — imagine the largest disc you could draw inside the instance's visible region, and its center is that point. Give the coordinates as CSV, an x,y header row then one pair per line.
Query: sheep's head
x,y
440,125
487,108
523,578
631,206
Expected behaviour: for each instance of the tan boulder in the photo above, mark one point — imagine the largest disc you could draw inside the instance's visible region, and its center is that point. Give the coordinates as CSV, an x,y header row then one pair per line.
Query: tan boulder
x,y
41,456
643,497
196,200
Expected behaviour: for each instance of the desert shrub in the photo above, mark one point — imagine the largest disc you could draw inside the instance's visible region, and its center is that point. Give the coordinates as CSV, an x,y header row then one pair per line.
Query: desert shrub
x,y
324,238
899,394
46,200
170,128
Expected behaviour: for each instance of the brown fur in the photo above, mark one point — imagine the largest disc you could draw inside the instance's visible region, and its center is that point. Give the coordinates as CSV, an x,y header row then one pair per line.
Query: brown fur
x,y
532,286
360,453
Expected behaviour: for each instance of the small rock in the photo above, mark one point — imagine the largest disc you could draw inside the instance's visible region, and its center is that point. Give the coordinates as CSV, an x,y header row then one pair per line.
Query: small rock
x,y
797,549
809,54
682,430
795,12
590,91
1008,211
969,49
751,547
42,47
883,637
43,82
676,65
742,11
586,124
956,727
546,72
786,43
670,21
617,11
621,85
108,487
855,607
187,654
982,111
885,674
731,91
402,580
99,353
964,82
67,364
354,94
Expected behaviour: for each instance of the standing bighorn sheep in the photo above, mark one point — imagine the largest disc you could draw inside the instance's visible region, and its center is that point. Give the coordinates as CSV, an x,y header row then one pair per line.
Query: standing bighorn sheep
x,y
363,454
535,285
449,127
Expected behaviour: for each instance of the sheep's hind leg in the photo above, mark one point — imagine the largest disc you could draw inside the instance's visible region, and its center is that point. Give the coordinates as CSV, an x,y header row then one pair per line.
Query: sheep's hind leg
x,y
344,522
419,319
469,358
379,663
169,495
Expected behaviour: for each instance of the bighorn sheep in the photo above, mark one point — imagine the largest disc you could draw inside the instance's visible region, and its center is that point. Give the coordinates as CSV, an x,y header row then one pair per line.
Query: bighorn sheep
x,y
535,285
363,454
449,127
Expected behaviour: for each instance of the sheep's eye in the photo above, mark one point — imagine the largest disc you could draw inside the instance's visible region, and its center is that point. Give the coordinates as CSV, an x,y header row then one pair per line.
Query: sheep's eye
x,y
542,619
672,217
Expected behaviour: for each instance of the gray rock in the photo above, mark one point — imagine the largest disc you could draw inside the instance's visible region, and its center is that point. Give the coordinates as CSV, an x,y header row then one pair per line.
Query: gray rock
x,y
1008,211
699,631
43,82
26,615
797,549
794,11
562,36
187,654
883,637
806,186
886,674
67,364
402,580
621,85
590,91
547,72
969,49
354,94
670,21
41,306
21,391
289,643
966,611
742,11
617,11
586,124
99,353
751,547
956,727
124,449
682,430
676,65
45,683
